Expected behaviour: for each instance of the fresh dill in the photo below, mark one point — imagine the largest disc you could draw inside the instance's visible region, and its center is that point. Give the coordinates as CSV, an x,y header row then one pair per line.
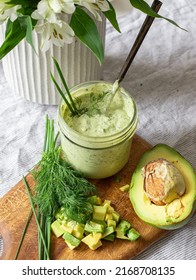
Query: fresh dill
x,y
57,184
94,105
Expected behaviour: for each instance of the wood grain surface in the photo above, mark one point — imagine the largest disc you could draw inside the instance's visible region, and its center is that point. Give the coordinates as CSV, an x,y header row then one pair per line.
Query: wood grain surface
x,y
15,207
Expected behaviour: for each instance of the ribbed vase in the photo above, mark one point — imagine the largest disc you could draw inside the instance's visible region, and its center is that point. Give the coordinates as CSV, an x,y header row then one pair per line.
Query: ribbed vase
x,y
28,73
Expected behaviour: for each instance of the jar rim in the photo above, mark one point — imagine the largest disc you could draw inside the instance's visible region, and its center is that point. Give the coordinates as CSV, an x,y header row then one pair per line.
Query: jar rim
x,y
126,132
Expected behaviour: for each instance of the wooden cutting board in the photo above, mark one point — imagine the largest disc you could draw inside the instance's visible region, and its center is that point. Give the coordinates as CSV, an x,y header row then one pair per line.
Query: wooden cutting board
x,y
15,207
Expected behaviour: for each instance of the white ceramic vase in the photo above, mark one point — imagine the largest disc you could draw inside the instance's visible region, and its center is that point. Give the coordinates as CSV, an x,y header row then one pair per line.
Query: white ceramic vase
x,y
28,73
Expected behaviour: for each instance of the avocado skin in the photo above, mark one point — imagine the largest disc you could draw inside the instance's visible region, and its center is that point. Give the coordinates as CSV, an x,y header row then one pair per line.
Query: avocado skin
x,y
170,154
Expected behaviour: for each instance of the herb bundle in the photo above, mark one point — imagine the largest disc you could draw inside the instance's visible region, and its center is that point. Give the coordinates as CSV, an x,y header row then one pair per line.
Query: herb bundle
x,y
57,184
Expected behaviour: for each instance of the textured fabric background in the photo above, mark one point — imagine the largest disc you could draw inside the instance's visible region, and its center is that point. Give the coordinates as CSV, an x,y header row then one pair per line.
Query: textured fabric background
x,y
162,79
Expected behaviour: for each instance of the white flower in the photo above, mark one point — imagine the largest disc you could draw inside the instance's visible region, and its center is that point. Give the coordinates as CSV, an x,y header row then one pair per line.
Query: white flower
x,y
57,33
94,6
8,11
44,11
66,6
48,9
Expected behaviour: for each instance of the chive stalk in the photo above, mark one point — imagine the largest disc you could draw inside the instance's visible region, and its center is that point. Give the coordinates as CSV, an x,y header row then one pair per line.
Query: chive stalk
x,y
35,215
70,103
23,234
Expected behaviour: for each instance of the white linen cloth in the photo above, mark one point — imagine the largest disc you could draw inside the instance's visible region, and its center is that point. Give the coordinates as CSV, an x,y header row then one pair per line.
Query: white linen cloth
x,y
162,79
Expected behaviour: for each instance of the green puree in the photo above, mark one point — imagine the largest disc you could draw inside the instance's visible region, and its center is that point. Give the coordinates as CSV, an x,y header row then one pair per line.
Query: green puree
x,y
97,118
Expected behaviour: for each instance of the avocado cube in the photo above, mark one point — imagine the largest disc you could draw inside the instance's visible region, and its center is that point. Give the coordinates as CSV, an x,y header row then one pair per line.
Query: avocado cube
x,y
59,216
116,216
110,237
111,223
133,234
107,231
94,200
99,212
92,241
71,240
123,227
110,209
120,235
106,202
95,246
97,235
93,227
100,222
66,228
71,224
124,188
57,229
78,231
70,246
108,217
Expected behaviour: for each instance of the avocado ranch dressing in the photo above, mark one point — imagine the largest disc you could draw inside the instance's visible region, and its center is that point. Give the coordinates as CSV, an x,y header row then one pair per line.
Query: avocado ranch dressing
x,y
98,141
101,119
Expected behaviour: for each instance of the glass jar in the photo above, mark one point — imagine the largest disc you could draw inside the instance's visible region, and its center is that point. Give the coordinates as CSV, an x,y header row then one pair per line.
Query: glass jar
x,y
97,157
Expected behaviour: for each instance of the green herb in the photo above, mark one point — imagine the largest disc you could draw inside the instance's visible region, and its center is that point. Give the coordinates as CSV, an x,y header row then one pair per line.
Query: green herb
x,y
58,184
70,103
40,230
23,234
75,106
95,103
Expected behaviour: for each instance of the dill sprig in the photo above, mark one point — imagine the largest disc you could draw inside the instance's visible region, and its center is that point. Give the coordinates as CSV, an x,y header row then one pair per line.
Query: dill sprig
x,y
59,184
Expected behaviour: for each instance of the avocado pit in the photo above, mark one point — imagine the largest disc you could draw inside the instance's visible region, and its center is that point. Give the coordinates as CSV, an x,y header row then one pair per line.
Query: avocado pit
x,y
163,182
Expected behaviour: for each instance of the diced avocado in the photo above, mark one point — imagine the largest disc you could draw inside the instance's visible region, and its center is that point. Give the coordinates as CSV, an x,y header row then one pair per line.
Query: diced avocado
x,y
95,246
57,229
59,216
123,227
97,235
116,216
71,223
133,234
100,222
107,231
78,231
71,240
92,241
111,223
66,228
110,209
91,226
106,202
125,188
70,246
108,216
99,212
119,235
95,200
110,237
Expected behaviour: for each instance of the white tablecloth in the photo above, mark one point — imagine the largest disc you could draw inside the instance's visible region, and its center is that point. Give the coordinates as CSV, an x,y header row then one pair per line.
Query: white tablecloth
x,y
162,79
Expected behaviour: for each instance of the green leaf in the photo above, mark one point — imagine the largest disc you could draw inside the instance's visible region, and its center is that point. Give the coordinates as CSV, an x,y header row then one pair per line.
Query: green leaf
x,y
111,16
145,8
28,24
14,34
86,30
26,3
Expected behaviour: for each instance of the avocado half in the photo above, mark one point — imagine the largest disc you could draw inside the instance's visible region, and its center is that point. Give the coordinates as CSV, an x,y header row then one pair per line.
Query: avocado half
x,y
174,214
